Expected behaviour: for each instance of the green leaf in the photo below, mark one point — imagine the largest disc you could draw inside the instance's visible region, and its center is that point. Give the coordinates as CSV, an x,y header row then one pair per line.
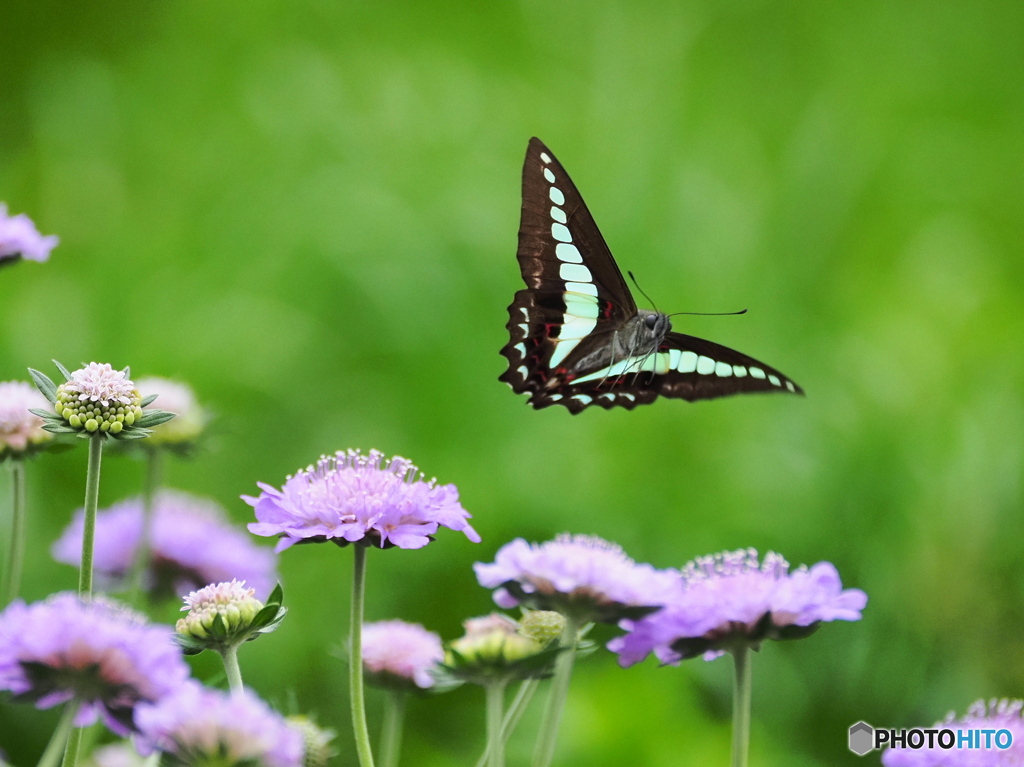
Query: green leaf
x,y
47,415
148,400
46,387
218,630
276,596
63,370
154,418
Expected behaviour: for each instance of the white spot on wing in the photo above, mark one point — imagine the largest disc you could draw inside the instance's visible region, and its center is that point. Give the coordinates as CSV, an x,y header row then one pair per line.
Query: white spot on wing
x,y
569,253
574,273
521,348
525,328
687,362
556,196
757,373
673,358
739,371
558,214
561,233
545,157
583,399
652,363
562,349
587,288
576,327
705,365
775,380
523,371
723,370
789,385
549,175
580,306
630,397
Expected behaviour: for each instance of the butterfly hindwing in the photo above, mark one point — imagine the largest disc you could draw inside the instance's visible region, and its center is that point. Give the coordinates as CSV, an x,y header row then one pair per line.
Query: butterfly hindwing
x,y
576,337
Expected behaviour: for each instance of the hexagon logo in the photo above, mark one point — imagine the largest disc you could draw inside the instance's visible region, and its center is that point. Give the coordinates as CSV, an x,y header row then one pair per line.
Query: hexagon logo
x,y
862,738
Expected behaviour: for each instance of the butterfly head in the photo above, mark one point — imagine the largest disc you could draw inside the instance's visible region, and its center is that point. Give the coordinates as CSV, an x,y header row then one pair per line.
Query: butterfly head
x,y
656,323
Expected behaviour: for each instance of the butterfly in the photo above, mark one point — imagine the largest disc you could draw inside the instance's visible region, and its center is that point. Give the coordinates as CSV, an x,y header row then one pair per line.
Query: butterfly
x,y
577,337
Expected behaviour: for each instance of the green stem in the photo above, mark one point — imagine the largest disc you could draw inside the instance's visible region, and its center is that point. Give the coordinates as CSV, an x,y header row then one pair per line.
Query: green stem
x,y
548,737
741,706
495,741
355,663
92,497
230,656
513,715
151,483
391,735
60,735
16,557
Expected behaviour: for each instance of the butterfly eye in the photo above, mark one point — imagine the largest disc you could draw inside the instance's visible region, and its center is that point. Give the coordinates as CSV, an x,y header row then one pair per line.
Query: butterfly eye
x,y
651,320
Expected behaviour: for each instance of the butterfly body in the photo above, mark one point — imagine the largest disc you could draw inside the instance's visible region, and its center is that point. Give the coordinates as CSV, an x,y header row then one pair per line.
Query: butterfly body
x,y
577,337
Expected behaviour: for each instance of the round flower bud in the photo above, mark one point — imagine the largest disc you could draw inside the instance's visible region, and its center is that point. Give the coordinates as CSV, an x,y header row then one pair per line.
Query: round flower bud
x,y
97,397
543,626
236,606
178,398
317,747
21,432
493,647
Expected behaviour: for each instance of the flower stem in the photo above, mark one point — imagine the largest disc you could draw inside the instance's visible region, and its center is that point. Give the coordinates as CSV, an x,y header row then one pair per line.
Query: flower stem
x,y
16,556
512,715
355,663
741,706
391,736
154,472
60,737
495,741
92,496
548,737
230,656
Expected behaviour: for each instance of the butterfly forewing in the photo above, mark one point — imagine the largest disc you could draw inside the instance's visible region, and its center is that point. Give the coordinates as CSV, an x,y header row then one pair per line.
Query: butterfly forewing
x,y
576,305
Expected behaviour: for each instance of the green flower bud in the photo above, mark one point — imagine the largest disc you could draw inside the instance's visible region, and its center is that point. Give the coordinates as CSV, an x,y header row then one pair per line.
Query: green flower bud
x,y
231,602
543,626
318,749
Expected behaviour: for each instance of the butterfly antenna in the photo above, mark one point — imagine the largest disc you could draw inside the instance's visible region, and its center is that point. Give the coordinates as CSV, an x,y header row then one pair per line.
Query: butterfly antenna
x,y
711,314
642,291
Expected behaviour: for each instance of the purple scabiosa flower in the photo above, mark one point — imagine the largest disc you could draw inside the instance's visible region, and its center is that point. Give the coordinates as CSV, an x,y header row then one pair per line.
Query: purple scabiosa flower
x,y
581,576
732,598
400,655
350,497
178,398
198,726
996,716
20,430
191,545
99,653
19,238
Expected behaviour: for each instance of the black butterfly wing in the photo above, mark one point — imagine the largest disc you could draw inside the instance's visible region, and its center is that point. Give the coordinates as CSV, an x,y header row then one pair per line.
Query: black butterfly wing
x,y
575,295
699,369
683,366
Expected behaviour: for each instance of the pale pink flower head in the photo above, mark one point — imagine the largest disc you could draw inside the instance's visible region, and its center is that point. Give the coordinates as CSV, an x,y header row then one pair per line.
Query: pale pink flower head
x,y
400,654
199,726
20,430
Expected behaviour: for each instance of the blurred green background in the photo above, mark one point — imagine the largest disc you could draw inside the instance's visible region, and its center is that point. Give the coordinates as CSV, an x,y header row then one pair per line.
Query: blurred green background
x,y
308,211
